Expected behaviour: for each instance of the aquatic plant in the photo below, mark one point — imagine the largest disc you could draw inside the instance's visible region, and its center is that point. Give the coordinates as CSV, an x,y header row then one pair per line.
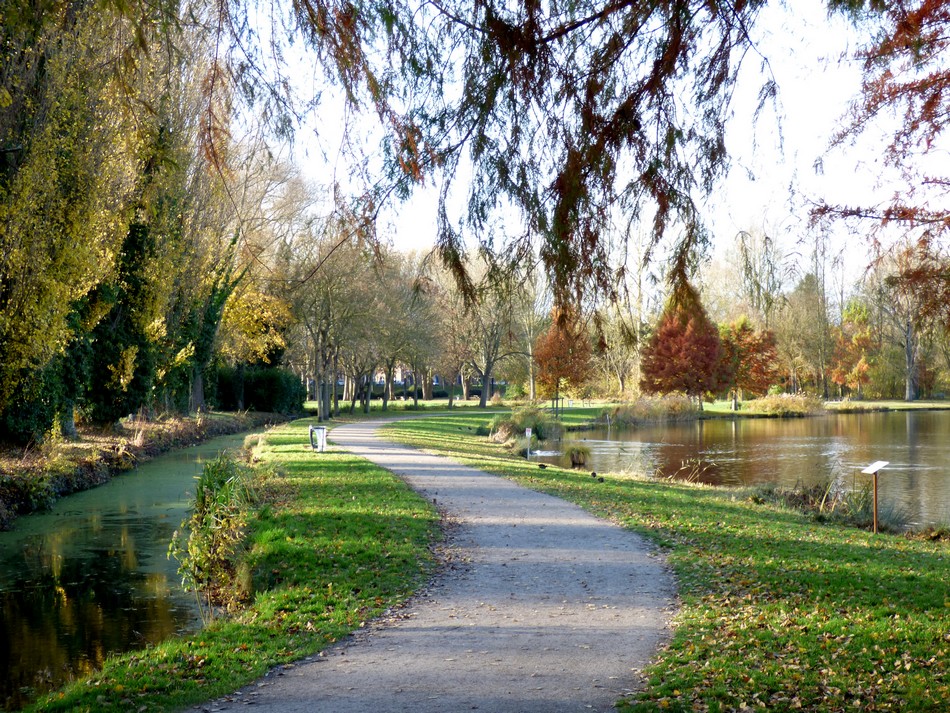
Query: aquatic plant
x,y
650,409
831,501
578,454
505,427
208,553
786,405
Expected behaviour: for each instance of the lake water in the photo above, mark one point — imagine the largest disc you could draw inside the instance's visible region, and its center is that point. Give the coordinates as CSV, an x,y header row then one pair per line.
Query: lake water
x,y
91,577
793,451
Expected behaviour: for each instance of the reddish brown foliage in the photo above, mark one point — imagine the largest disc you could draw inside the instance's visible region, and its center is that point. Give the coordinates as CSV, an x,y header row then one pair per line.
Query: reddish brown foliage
x,y
749,359
563,354
906,74
683,355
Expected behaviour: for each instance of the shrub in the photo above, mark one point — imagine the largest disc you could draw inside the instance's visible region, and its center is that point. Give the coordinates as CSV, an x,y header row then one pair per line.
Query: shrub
x,y
208,554
647,409
515,391
578,455
830,502
271,390
542,424
786,405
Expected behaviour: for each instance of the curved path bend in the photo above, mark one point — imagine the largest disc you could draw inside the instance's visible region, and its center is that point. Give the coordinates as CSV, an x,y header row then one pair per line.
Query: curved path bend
x,y
545,608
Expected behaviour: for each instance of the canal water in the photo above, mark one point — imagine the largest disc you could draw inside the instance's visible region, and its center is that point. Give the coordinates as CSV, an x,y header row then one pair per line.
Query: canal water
x,y
791,452
91,577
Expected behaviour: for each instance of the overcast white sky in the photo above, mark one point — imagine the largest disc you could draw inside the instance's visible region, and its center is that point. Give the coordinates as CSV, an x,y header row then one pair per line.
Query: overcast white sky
x,y
766,186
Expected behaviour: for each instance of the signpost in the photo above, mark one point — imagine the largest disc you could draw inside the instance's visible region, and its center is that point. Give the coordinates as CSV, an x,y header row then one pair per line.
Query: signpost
x,y
872,471
527,434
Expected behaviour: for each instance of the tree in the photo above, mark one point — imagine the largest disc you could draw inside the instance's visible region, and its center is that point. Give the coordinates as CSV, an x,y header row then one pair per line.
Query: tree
x,y
563,355
560,111
530,319
452,327
490,320
67,181
683,353
905,309
850,366
618,352
800,330
763,273
749,359
907,77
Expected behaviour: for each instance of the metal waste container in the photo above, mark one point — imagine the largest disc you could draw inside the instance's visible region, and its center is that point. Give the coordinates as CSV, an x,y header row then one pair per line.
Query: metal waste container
x,y
318,438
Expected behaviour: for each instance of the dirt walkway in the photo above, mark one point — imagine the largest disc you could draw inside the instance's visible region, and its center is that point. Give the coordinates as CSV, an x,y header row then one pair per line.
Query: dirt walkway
x,y
545,609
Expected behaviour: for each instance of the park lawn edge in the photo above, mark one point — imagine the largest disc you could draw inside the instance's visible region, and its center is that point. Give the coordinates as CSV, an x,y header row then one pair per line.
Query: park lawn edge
x,y
336,543
776,611
235,652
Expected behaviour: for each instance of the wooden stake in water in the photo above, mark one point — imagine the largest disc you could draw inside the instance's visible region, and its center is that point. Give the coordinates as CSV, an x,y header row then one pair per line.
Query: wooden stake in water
x,y
872,471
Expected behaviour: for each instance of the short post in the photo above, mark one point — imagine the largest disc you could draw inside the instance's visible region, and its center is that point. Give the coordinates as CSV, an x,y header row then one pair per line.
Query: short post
x,y
527,434
872,471
318,438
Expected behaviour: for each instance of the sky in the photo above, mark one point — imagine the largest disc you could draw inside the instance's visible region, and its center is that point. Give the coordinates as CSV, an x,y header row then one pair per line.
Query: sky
x,y
770,182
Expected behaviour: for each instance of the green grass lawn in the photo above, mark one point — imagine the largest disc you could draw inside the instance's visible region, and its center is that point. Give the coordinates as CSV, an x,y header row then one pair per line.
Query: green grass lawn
x,y
335,543
777,612
893,405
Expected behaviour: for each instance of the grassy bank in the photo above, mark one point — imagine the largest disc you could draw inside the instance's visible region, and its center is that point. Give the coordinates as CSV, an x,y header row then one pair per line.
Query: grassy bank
x,y
34,478
862,406
777,612
335,542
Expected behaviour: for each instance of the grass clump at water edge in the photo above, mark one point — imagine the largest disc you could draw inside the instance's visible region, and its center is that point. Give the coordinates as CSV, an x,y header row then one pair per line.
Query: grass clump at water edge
x,y
505,428
333,542
209,544
830,502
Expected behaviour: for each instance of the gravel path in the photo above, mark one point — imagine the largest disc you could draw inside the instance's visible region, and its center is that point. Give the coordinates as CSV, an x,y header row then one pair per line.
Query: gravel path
x,y
542,608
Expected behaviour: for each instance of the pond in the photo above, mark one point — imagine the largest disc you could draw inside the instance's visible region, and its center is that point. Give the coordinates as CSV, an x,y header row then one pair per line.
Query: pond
x,y
91,576
790,452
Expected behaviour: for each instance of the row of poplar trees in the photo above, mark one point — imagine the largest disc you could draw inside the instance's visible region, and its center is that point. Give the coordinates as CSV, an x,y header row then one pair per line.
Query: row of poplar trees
x,y
119,235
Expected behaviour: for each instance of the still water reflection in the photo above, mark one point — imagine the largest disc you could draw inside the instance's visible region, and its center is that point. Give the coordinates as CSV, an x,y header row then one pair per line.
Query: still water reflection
x,y
91,576
789,452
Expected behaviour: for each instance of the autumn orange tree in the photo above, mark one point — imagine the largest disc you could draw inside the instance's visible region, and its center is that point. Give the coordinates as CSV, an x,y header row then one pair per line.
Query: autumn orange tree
x,y
683,355
748,361
563,354
850,366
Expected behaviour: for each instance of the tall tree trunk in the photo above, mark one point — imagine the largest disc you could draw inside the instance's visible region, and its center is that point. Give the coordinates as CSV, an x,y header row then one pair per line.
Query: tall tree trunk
x,y
67,421
336,376
532,377
354,393
486,386
196,401
387,386
911,343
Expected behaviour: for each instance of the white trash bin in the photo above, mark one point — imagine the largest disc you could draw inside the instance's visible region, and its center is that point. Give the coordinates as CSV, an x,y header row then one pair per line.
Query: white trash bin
x,y
318,438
